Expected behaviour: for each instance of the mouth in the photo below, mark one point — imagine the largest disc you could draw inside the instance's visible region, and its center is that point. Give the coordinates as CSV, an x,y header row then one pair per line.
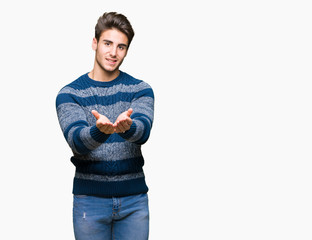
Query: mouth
x,y
111,61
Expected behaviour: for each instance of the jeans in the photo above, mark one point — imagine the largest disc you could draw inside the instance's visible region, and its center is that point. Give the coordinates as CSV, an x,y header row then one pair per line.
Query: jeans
x,y
97,218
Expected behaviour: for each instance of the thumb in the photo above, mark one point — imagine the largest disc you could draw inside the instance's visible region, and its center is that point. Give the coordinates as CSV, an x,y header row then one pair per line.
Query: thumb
x,y
129,112
95,114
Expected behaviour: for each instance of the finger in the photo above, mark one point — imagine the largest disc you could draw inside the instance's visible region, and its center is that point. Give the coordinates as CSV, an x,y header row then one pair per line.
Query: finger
x,y
118,130
129,121
95,114
110,129
101,127
100,124
129,112
124,125
118,127
107,128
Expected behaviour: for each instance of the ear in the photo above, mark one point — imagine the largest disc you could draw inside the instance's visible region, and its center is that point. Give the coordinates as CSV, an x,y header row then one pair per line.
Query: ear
x,y
94,44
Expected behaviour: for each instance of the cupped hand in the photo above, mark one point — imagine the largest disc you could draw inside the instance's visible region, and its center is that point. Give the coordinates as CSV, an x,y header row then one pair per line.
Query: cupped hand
x,y
123,122
103,123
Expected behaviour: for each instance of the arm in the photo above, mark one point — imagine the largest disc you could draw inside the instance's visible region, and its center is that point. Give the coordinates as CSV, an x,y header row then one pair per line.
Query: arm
x,y
123,122
142,115
80,135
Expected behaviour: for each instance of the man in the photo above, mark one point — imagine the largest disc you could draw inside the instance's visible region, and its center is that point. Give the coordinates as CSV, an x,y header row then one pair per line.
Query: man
x,y
106,115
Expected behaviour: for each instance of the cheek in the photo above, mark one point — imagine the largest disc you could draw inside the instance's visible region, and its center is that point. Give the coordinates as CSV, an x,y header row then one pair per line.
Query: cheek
x,y
100,52
122,55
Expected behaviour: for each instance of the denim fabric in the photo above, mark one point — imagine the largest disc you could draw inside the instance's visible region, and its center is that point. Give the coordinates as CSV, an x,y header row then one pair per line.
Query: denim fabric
x,y
97,218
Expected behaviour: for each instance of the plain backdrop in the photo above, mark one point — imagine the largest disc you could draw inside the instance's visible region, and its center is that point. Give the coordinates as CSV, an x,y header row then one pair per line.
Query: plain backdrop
x,y
229,156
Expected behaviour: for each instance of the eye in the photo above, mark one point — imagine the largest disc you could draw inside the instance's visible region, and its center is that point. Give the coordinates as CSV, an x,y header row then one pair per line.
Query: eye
x,y
121,47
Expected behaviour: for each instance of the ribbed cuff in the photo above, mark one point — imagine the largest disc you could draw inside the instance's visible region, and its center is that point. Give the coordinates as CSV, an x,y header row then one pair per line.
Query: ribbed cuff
x,y
97,135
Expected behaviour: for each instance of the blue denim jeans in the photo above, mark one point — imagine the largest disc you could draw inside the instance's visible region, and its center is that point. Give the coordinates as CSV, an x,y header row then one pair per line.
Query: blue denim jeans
x,y
97,218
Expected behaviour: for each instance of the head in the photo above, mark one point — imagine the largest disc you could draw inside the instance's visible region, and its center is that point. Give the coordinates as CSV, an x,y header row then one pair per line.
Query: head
x,y
113,35
111,20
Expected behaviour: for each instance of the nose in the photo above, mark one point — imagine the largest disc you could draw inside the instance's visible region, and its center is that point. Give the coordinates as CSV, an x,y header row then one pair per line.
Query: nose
x,y
113,51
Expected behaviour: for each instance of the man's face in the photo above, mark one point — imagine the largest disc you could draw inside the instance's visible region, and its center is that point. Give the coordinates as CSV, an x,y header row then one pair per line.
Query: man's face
x,y
110,50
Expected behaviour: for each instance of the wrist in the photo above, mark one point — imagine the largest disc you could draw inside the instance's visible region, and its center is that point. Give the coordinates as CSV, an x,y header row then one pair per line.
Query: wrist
x,y
97,135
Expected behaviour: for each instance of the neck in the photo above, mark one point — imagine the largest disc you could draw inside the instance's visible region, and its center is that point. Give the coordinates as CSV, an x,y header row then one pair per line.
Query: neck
x,y
103,76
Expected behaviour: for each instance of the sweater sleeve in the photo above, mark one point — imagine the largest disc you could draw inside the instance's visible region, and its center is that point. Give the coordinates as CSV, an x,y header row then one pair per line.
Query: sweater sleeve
x,y
142,116
81,137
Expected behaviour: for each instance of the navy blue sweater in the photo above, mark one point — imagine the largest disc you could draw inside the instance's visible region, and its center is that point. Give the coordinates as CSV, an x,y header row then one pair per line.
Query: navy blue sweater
x,y
107,165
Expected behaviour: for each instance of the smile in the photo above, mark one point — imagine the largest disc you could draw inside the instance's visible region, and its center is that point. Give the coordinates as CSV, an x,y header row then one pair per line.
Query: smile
x,y
111,61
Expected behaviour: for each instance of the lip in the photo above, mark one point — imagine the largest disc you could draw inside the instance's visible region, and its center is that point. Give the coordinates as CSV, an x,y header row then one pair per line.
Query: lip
x,y
111,61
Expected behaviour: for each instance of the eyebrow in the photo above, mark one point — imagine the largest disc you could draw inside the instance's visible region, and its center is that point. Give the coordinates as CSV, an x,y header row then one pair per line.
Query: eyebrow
x,y
121,44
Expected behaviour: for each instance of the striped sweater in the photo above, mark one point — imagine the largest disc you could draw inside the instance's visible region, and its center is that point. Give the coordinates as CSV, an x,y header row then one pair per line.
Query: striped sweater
x,y
107,165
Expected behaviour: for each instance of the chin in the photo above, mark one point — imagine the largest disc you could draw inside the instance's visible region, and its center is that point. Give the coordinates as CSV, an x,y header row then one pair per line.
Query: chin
x,y
110,69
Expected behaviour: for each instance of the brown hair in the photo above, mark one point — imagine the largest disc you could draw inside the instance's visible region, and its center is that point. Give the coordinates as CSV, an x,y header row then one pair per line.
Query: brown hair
x,y
111,20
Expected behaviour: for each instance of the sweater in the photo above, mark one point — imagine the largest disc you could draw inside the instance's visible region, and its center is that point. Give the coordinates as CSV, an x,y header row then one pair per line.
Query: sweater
x,y
107,165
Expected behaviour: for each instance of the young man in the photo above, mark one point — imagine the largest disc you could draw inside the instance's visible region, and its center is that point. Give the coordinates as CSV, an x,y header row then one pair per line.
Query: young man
x,y
106,115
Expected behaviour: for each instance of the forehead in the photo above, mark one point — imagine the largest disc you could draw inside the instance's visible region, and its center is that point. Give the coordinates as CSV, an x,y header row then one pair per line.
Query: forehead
x,y
114,36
